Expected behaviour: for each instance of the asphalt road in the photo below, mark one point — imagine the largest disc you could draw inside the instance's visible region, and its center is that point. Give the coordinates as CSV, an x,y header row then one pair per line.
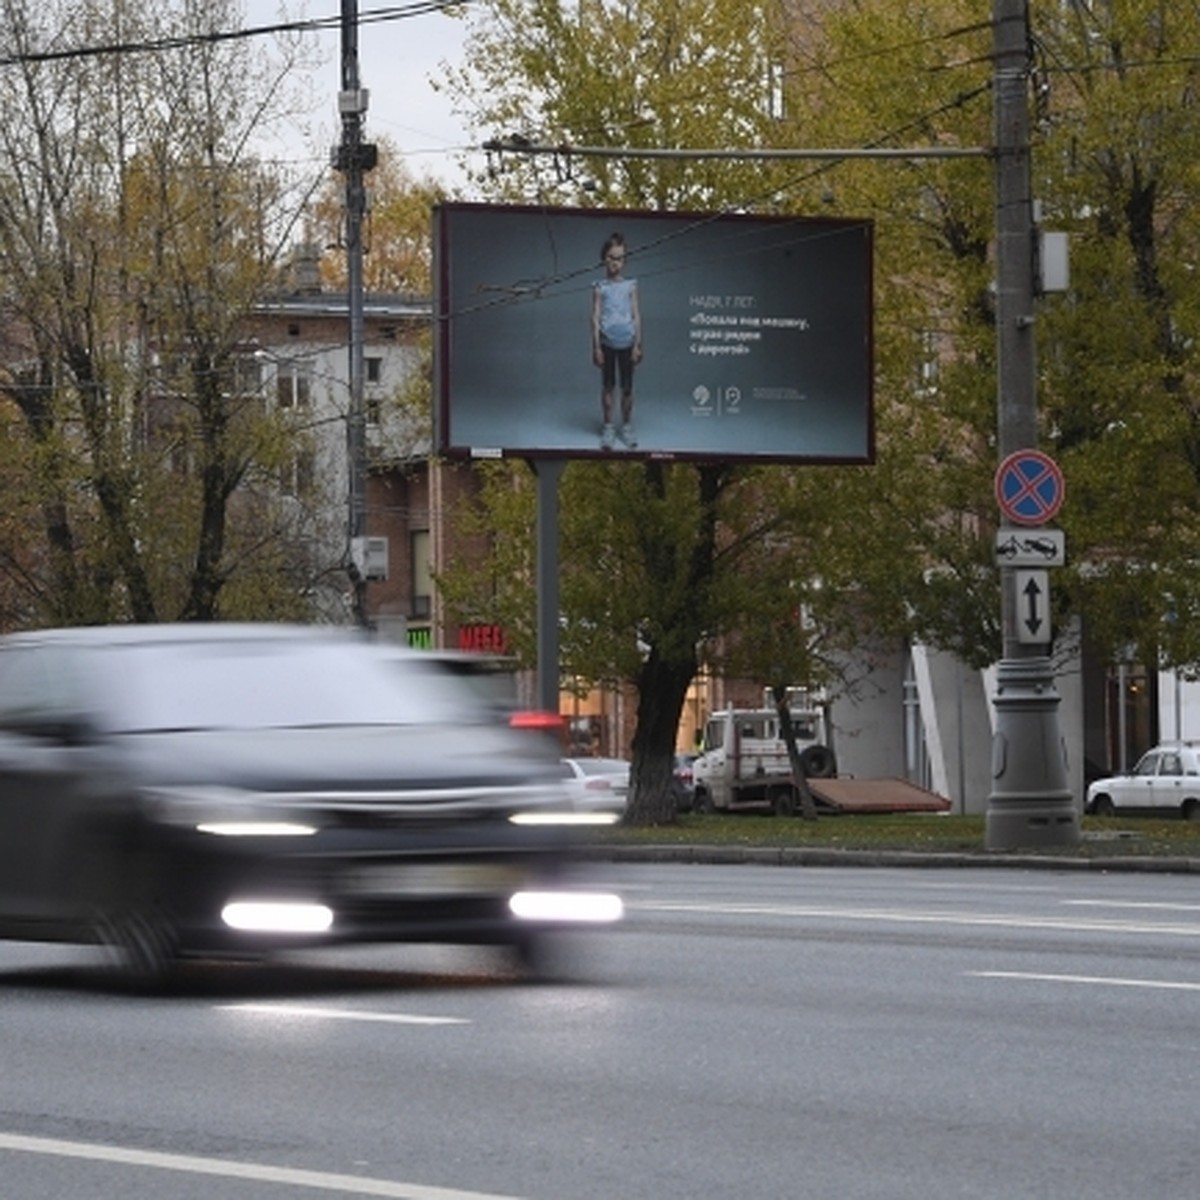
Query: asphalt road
x,y
750,1032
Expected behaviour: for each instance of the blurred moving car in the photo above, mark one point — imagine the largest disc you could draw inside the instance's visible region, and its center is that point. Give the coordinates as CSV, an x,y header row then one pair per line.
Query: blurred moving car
x,y
226,790
597,785
683,782
1165,781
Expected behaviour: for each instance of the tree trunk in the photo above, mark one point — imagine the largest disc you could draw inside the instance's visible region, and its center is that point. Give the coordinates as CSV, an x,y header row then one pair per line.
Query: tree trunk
x,y
670,667
662,689
808,806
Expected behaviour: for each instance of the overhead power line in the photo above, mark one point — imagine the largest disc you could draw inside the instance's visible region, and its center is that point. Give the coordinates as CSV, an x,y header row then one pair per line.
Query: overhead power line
x,y
520,145
399,12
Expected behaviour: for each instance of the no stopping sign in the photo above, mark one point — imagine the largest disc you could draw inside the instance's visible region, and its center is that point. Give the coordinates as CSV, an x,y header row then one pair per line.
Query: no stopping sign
x,y
1029,487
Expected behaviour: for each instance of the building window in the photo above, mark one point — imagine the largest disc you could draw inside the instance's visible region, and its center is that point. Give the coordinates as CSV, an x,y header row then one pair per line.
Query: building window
x,y
1133,717
421,601
243,376
374,369
293,385
299,475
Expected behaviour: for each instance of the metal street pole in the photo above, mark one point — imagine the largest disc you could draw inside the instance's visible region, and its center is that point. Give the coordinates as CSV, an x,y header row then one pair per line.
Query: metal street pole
x,y
1030,804
353,158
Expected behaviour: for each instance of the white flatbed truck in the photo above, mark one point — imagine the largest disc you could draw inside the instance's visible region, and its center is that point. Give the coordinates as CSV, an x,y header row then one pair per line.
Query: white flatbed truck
x,y
744,767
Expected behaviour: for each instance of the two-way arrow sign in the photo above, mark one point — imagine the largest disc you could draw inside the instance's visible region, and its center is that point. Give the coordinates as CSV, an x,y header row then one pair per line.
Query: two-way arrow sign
x,y
1033,607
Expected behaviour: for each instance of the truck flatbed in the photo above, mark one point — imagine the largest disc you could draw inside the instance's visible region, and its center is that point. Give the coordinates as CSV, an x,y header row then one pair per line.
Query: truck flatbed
x,y
875,796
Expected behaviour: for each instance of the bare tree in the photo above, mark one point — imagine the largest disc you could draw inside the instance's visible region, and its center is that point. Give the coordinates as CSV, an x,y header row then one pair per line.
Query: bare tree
x,y
139,227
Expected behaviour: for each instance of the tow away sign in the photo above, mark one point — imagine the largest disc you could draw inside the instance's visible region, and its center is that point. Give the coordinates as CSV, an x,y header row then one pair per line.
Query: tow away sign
x,y
1031,548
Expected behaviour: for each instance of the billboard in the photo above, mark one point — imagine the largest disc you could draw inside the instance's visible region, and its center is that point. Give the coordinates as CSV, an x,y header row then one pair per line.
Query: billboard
x,y
577,333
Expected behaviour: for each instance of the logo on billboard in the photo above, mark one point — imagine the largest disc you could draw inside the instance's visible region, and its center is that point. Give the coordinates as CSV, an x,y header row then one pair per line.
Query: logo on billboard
x,y
721,402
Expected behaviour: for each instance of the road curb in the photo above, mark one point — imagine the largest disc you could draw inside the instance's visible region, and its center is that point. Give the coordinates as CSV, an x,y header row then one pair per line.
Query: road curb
x,y
794,856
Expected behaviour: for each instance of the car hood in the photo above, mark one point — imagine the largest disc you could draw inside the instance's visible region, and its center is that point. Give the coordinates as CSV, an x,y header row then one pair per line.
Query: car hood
x,y
336,759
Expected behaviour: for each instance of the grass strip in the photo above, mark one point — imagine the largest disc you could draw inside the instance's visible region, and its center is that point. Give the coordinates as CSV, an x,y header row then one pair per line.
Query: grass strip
x,y
1112,837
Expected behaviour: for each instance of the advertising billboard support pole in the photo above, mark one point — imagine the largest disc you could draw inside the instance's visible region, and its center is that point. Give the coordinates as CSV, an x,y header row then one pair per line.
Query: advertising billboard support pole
x,y
548,472
1030,804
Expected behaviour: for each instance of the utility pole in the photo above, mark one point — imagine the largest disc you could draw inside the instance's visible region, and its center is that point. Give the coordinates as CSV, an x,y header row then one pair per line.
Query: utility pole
x,y
353,157
1030,804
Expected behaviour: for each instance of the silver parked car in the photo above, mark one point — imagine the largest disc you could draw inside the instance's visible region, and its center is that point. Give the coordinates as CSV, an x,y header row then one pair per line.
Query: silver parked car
x,y
597,785
1165,781
227,790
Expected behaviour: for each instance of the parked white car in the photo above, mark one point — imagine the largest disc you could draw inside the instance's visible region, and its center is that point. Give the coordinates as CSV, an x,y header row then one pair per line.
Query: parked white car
x,y
597,785
1165,781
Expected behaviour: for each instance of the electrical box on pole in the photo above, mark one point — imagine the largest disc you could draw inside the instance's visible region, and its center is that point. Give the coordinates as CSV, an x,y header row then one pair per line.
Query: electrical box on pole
x,y
352,157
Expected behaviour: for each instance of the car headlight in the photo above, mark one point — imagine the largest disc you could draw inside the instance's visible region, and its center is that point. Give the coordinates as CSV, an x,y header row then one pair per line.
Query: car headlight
x,y
594,908
272,916
549,816
224,812
256,829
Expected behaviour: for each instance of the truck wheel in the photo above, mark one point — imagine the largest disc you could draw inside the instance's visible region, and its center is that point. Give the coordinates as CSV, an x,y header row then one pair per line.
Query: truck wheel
x,y
702,803
783,802
818,762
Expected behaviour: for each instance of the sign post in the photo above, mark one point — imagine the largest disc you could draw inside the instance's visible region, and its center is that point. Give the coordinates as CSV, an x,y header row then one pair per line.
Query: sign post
x,y
1030,804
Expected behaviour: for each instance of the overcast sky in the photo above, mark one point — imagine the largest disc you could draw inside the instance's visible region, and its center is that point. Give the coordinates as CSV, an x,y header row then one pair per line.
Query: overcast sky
x,y
396,60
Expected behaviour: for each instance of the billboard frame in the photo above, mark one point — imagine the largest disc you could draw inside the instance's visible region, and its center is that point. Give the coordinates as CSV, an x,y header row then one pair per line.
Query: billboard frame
x,y
760,254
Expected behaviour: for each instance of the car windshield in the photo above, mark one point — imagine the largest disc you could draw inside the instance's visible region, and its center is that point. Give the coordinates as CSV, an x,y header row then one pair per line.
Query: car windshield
x,y
278,683
1148,764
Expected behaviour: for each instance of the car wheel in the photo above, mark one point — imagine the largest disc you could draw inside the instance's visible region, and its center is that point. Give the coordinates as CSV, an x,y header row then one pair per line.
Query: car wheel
x,y
142,943
1102,806
1191,810
680,797
136,926
123,905
542,958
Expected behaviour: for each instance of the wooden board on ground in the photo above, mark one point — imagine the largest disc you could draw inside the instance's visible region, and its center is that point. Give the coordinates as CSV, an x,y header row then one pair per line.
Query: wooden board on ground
x,y
876,796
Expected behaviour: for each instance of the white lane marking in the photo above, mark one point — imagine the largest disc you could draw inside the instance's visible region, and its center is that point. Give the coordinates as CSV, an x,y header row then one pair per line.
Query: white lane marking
x,y
1169,985
351,1185
340,1014
1154,905
903,917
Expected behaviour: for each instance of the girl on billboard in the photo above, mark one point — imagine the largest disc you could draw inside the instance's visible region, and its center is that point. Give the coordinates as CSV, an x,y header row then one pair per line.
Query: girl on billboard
x,y
616,340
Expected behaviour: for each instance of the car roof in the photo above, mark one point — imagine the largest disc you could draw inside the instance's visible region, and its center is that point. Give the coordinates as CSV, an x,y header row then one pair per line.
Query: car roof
x,y
187,632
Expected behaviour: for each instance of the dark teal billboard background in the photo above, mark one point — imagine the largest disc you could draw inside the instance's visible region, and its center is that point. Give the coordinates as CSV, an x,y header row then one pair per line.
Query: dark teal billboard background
x,y
756,334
